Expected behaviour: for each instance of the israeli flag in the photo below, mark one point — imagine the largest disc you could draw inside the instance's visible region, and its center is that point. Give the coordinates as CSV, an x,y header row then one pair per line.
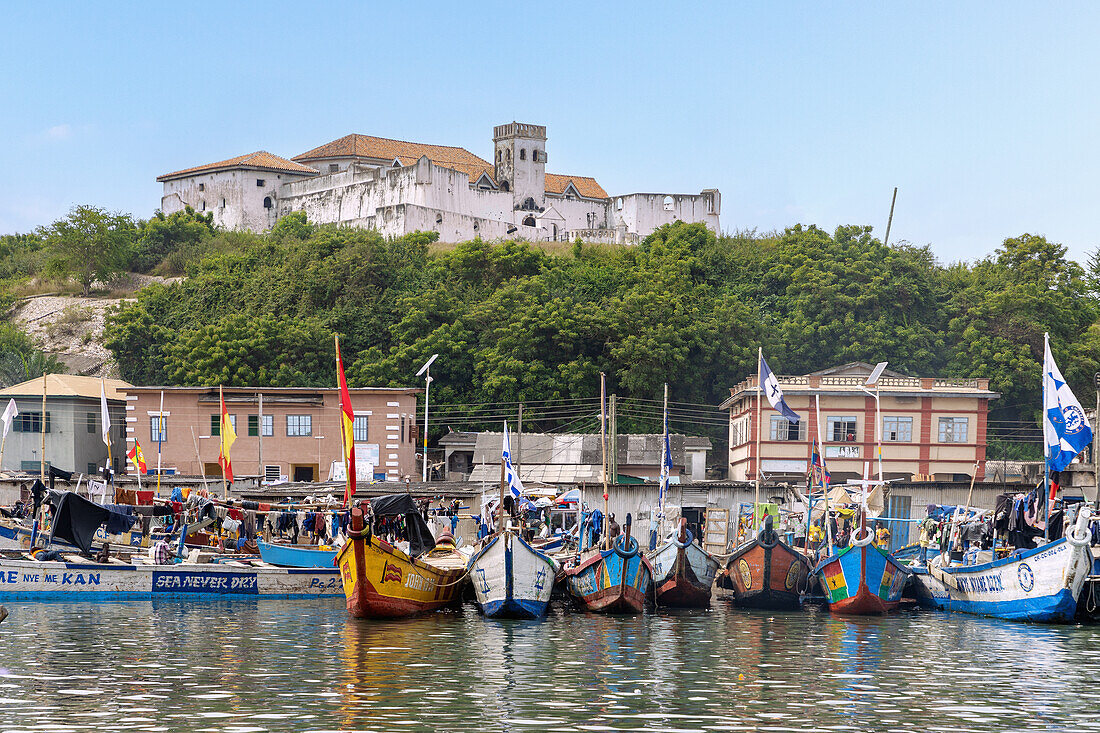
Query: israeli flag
x,y
1065,427
510,475
774,393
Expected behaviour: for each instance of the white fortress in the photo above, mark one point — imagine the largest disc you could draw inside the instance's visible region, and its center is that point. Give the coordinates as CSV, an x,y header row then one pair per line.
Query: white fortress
x,y
400,187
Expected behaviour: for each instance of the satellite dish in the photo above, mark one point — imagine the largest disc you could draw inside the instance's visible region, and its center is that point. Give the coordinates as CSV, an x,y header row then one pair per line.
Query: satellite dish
x,y
427,364
876,373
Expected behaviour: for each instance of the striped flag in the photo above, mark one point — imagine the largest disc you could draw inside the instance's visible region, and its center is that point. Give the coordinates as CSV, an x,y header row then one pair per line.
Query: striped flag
x,y
347,424
138,458
510,475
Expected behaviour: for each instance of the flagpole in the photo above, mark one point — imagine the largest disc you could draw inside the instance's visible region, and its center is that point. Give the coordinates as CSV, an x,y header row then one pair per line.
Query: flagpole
x,y
221,438
42,464
343,443
1046,448
160,433
198,459
663,487
759,412
260,418
503,478
603,456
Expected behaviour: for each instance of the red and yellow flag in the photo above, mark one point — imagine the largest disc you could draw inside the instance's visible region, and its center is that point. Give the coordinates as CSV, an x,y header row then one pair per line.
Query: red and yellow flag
x,y
228,436
347,422
138,458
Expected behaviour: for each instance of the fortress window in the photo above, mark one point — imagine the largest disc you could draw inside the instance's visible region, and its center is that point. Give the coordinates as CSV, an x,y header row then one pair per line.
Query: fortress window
x,y
267,202
333,168
668,203
505,187
223,203
439,220
202,205
259,183
498,156
619,204
522,154
202,186
529,221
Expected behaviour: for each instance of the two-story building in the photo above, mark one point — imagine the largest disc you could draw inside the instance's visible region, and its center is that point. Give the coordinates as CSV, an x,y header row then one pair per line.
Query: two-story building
x,y
931,427
72,424
283,433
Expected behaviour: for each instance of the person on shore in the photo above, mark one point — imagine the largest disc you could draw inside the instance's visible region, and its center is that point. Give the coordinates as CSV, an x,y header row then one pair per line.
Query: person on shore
x,y
613,529
882,535
928,527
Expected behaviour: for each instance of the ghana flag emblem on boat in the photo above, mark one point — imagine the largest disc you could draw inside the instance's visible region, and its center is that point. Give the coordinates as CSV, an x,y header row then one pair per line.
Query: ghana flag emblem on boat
x,y
838,586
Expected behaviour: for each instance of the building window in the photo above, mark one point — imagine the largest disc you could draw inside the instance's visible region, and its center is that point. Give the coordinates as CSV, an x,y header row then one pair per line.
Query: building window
x,y
783,429
216,424
31,422
842,429
259,183
202,205
202,186
268,425
954,429
299,425
92,469
333,168
523,154
267,202
223,203
897,429
498,156
740,431
253,425
158,428
93,422
359,429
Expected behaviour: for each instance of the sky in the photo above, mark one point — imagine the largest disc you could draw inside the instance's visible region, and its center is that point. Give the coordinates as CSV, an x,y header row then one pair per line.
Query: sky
x,y
982,114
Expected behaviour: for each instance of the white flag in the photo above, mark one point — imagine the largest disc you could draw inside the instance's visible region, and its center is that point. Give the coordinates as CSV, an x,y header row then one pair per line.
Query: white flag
x,y
1065,426
9,416
104,415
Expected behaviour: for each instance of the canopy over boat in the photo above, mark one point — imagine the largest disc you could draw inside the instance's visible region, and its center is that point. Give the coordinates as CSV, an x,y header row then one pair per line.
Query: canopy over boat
x,y
402,505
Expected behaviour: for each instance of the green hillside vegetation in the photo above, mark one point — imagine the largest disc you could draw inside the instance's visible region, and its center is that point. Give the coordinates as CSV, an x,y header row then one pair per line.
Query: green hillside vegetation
x,y
515,321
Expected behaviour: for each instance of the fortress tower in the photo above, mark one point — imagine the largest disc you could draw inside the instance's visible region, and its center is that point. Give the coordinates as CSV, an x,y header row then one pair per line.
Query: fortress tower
x,y
520,163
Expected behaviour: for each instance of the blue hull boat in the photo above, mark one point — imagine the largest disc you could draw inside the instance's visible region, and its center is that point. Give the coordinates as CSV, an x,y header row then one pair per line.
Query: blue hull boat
x,y
287,556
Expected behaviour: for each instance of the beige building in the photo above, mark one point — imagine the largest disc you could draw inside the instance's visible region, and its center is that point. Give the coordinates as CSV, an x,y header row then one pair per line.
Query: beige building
x,y
295,437
930,427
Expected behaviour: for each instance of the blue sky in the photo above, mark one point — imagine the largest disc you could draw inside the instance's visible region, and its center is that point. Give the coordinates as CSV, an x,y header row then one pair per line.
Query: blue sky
x,y
984,114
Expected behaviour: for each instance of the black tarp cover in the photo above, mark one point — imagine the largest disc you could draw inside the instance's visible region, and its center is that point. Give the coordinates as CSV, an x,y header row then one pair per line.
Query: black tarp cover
x,y
76,519
397,505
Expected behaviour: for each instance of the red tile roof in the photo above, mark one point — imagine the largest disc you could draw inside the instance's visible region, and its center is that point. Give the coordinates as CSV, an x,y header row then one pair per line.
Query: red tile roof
x,y
587,187
260,160
365,146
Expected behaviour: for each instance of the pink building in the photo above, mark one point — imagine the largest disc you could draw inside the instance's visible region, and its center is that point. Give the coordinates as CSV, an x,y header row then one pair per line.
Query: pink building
x,y
293,434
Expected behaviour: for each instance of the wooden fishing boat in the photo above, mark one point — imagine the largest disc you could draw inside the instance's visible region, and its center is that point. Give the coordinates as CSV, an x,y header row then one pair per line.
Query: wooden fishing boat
x,y
293,556
614,580
381,581
1043,584
766,573
862,579
75,577
511,579
683,571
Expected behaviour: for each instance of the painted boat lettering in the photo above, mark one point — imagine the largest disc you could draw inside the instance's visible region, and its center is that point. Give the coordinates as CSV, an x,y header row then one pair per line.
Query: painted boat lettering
x,y
321,583
980,583
203,583
63,578
415,581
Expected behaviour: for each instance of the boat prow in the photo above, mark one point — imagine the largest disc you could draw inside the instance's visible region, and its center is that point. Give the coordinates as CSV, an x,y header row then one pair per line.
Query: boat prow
x,y
683,572
766,573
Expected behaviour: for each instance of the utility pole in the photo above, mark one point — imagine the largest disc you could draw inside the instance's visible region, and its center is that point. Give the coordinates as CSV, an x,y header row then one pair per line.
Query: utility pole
x,y
1096,442
614,471
519,437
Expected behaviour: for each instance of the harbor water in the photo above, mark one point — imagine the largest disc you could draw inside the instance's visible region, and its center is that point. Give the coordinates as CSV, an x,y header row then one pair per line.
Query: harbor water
x,y
272,665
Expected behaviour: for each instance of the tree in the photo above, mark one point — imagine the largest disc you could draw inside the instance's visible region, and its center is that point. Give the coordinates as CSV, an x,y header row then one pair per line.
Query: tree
x,y
89,244
20,360
162,235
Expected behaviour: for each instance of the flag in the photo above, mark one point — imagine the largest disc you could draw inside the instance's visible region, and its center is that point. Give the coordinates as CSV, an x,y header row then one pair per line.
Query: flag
x,y
228,436
347,424
510,475
138,458
105,416
774,393
1065,426
9,415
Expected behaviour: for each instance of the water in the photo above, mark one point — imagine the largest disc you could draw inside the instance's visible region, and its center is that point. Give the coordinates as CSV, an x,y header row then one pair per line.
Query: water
x,y
242,666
